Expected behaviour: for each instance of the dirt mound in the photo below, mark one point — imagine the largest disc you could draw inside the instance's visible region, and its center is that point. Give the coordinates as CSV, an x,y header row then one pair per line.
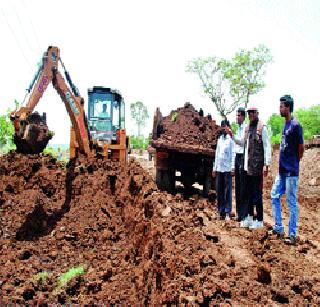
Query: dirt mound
x,y
185,130
134,244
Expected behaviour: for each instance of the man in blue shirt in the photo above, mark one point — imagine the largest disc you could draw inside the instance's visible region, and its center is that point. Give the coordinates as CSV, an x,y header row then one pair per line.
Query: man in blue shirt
x,y
223,169
291,152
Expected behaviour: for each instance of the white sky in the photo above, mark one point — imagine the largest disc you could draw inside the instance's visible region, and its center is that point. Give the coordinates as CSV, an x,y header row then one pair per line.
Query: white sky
x,y
141,48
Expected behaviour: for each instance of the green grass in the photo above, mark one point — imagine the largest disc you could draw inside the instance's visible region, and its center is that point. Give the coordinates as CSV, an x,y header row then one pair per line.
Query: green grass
x,y
72,273
41,277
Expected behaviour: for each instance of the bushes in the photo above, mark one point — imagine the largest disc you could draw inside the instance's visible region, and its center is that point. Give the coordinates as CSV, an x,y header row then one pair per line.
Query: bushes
x,y
309,119
275,122
139,142
6,133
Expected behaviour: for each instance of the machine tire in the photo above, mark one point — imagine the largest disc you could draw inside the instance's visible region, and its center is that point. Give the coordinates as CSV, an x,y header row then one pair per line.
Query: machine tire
x,y
187,179
207,184
165,180
159,179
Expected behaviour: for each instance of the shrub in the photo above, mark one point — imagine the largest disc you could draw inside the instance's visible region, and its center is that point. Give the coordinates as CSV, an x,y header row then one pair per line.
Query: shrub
x,y
139,142
72,273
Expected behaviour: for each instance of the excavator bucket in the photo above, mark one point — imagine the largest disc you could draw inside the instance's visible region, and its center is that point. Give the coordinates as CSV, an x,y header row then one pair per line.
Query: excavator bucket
x,y
33,135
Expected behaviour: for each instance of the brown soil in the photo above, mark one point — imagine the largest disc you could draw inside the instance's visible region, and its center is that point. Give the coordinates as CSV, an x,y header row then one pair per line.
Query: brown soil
x,y
184,130
138,245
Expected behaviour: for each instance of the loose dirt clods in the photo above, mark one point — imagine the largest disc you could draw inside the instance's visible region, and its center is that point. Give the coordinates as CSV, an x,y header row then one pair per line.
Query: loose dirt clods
x,y
184,130
138,245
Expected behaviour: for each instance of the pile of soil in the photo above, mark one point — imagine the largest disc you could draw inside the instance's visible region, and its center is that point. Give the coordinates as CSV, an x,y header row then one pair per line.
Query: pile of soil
x,y
136,245
186,131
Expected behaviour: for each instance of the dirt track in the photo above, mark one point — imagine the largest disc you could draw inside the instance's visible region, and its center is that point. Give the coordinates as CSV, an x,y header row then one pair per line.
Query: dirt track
x,y
139,245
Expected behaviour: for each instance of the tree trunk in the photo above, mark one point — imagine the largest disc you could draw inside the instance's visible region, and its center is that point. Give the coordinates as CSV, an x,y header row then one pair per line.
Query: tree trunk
x,y
247,100
139,130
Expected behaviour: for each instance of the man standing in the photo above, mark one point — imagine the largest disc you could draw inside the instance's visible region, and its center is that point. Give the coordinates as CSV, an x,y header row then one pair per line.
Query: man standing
x,y
291,152
239,164
223,166
257,158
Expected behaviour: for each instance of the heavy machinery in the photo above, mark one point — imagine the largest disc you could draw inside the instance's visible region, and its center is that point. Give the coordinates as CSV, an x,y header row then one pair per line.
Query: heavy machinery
x,y
102,134
185,144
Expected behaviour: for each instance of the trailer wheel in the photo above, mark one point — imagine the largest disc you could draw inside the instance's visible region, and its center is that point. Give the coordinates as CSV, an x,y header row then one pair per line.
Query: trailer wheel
x,y
187,179
207,185
159,179
165,180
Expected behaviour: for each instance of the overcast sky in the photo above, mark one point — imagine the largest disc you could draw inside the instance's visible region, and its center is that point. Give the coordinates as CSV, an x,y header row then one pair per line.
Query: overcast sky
x,y
142,47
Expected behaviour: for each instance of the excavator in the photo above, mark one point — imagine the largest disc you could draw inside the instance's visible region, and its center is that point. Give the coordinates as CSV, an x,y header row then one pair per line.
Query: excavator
x,y
102,133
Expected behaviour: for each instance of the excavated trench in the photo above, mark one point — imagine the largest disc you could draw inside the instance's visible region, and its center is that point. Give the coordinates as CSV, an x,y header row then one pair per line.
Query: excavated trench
x,y
136,245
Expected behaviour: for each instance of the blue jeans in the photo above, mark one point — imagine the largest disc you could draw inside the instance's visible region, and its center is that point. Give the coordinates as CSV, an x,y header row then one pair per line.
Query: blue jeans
x,y
288,186
224,192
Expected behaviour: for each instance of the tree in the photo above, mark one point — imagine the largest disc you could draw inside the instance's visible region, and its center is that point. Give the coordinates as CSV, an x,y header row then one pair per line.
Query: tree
x,y
139,113
275,122
241,77
309,119
234,127
245,73
6,132
213,81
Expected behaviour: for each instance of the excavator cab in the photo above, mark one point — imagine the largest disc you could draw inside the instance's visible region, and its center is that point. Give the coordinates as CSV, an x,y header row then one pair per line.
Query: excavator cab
x,y
106,114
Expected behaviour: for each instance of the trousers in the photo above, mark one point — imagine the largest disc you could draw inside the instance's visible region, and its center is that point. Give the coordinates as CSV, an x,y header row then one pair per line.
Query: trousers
x,y
285,185
239,186
253,196
224,192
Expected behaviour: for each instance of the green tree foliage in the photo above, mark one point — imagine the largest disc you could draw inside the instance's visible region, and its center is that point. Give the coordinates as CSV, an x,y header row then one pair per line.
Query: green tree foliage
x,y
234,127
139,142
6,133
245,73
212,80
309,119
240,76
139,113
275,122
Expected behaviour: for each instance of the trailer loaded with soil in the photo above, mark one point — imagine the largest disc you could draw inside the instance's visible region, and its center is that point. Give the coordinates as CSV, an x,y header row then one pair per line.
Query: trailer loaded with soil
x,y
185,143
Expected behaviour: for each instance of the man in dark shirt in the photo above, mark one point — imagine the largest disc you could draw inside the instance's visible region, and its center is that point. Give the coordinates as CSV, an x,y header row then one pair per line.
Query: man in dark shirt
x,y
291,152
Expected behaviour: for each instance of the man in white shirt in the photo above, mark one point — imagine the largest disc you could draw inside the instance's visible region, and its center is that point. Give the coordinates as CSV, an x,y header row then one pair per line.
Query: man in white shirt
x,y
257,158
222,169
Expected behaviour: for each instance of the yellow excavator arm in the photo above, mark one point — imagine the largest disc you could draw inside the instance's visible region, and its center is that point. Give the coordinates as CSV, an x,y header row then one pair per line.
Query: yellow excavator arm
x,y
74,103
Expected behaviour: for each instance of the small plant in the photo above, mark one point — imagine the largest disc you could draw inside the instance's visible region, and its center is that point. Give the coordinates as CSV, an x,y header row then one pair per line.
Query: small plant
x,y
72,273
51,151
174,116
42,277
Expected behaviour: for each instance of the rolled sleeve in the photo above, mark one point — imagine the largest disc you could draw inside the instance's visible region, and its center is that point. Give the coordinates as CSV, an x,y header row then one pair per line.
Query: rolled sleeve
x,y
266,146
214,168
233,155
